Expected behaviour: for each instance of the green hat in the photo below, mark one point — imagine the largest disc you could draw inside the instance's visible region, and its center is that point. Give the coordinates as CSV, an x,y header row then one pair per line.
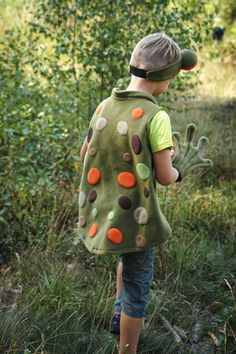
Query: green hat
x,y
186,61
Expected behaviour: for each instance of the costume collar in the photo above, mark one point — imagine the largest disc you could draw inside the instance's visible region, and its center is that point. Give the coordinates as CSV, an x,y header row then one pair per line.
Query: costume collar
x,y
122,94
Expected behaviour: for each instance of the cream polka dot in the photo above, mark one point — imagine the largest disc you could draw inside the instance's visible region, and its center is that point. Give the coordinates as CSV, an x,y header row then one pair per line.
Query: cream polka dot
x,y
111,215
101,123
82,199
122,127
143,171
94,212
141,216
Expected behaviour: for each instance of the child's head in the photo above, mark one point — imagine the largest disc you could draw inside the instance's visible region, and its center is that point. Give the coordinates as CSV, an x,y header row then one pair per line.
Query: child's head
x,y
154,52
156,60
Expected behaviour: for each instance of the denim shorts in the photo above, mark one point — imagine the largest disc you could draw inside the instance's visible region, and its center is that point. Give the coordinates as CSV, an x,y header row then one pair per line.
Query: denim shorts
x,y
137,276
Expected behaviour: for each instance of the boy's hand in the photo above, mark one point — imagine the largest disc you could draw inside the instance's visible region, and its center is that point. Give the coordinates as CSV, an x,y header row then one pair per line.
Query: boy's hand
x,y
188,157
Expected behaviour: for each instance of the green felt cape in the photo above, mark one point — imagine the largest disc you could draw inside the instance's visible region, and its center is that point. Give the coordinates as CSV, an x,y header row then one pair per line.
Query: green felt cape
x,y
119,210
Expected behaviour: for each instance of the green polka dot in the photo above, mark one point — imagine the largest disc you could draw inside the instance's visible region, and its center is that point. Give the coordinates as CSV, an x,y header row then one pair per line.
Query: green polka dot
x,y
94,212
143,171
111,215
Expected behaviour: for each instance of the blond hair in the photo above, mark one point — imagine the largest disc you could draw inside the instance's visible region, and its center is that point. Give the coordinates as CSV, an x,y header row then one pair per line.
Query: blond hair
x,y
154,51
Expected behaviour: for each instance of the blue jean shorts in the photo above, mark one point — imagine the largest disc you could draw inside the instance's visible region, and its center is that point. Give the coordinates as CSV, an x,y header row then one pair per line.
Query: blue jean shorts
x,y
137,276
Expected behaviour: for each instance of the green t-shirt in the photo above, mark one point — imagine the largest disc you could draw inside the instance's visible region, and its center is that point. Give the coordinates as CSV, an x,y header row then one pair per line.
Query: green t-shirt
x,y
159,130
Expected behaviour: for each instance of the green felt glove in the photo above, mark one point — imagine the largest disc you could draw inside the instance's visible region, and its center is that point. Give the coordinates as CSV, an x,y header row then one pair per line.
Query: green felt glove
x,y
187,156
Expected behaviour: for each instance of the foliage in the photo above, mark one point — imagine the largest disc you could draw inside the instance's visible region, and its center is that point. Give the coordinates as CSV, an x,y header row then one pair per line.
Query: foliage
x,y
54,71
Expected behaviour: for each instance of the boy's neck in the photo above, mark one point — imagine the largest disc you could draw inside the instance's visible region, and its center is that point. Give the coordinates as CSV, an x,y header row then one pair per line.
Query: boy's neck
x,y
154,88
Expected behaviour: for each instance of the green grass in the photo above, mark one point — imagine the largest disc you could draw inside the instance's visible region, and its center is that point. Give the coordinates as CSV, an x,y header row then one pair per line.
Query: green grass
x,y
67,301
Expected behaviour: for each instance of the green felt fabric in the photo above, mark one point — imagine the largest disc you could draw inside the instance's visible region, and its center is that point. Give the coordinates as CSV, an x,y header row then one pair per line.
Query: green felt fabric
x,y
189,157
134,211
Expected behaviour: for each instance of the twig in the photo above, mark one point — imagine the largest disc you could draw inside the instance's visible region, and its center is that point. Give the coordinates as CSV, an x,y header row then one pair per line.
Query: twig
x,y
170,328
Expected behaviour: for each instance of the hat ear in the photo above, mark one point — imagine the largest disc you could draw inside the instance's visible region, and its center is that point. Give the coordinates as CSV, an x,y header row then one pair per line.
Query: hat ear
x,y
189,59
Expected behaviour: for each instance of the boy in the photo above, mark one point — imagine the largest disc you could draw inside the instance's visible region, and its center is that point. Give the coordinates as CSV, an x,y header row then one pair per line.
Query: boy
x,y
127,148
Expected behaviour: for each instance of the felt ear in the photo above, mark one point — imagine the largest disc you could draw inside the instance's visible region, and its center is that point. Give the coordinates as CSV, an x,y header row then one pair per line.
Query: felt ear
x,y
189,59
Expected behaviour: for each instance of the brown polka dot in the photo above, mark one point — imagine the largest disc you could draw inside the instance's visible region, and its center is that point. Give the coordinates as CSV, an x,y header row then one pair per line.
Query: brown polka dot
x,y
115,235
127,157
137,113
125,202
92,151
140,240
146,192
89,135
92,196
82,221
136,144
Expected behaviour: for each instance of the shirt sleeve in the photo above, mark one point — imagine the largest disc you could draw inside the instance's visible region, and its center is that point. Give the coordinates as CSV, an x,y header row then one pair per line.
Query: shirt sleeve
x,y
159,131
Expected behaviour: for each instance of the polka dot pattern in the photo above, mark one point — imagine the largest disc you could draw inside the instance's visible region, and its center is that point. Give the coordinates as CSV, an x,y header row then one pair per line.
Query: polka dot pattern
x,y
111,215
98,110
115,235
89,135
136,144
82,199
82,221
122,127
124,202
126,180
146,192
101,123
92,151
94,212
93,230
92,196
127,157
143,171
94,176
141,216
140,241
137,113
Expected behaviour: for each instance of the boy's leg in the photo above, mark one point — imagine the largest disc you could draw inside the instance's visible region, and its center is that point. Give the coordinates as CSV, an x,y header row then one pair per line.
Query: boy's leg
x,y
119,280
130,329
115,321
137,278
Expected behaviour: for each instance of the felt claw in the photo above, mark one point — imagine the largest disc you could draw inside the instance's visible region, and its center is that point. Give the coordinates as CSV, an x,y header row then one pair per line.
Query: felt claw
x,y
203,141
208,163
205,163
190,131
176,136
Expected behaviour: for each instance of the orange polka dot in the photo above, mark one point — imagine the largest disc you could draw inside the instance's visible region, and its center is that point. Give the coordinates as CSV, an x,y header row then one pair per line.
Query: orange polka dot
x,y
137,113
126,179
98,110
115,235
94,176
93,230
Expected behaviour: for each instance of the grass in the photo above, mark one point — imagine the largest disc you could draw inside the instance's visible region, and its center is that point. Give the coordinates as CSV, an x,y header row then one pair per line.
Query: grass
x,y
66,303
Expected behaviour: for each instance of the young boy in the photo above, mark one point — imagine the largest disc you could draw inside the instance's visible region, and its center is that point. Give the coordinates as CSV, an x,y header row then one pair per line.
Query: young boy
x,y
128,148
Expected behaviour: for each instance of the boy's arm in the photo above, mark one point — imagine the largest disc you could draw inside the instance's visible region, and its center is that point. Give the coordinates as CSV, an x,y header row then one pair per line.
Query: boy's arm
x,y
164,172
83,150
